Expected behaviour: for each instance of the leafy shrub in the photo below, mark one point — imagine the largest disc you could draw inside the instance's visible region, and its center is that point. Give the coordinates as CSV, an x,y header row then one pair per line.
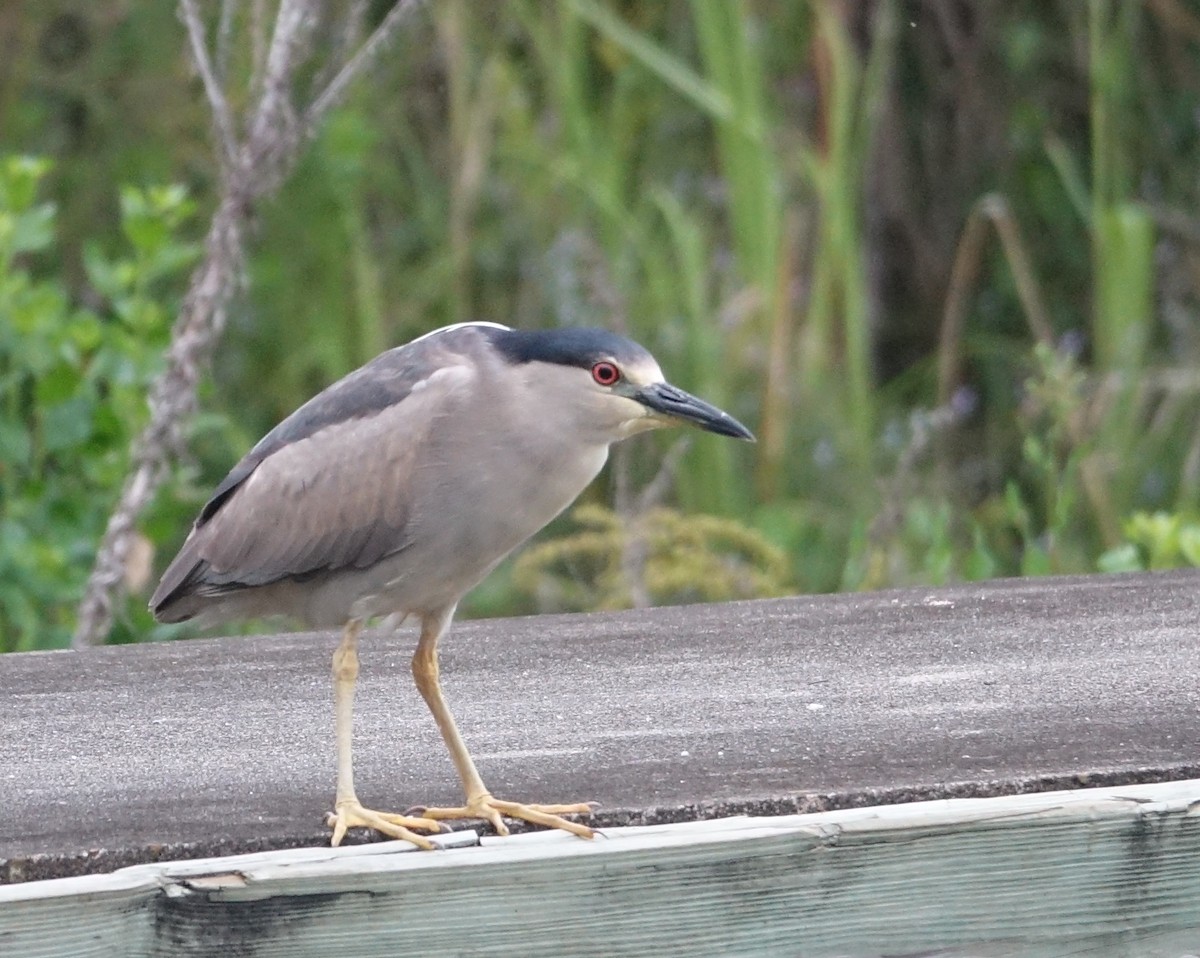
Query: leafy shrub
x,y
74,371
1155,540
668,556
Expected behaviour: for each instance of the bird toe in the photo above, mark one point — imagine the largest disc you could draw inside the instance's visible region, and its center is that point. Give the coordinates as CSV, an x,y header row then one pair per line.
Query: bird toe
x,y
349,815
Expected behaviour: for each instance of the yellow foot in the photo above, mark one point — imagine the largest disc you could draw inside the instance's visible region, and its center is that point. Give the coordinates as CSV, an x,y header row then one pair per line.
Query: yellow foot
x,y
490,809
353,815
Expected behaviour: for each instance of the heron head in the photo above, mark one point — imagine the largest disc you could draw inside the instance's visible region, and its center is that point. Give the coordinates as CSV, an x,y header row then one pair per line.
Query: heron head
x,y
609,383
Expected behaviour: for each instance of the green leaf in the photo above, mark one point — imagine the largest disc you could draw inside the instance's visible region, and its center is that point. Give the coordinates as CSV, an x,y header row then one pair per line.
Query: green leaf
x,y
146,233
1158,534
172,258
15,446
33,230
1125,280
171,204
66,424
143,316
980,562
1035,453
1015,508
102,272
1036,561
1123,558
1189,543
40,311
20,177
148,217
668,67
86,331
57,385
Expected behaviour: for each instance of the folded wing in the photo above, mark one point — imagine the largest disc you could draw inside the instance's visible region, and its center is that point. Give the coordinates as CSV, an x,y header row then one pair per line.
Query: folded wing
x,y
324,490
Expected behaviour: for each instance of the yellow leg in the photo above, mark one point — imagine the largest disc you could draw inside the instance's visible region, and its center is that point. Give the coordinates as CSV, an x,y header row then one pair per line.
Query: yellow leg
x,y
480,803
348,813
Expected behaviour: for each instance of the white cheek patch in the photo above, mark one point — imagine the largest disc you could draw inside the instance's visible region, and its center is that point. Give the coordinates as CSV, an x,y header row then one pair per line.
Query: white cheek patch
x,y
643,422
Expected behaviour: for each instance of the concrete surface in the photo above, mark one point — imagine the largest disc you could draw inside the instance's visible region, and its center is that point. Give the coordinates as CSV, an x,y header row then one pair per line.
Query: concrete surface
x,y
128,754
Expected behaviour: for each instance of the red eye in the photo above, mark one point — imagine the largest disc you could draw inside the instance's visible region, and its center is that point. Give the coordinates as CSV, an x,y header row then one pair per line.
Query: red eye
x,y
606,374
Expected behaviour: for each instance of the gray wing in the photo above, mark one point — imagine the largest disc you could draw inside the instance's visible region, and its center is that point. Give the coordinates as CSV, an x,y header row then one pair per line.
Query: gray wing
x,y
326,489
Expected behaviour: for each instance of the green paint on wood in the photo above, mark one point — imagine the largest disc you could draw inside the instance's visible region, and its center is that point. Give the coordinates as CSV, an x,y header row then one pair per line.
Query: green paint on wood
x,y
1093,871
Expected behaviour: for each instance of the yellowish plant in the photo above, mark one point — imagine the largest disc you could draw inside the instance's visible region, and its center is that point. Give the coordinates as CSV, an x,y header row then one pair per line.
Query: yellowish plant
x,y
658,557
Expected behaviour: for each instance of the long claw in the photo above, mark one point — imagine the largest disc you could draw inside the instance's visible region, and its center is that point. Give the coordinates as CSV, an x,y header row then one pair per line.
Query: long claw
x,y
491,809
349,815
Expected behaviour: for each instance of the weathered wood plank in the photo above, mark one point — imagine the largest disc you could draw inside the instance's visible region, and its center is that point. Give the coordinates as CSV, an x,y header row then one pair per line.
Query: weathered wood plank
x,y
1112,871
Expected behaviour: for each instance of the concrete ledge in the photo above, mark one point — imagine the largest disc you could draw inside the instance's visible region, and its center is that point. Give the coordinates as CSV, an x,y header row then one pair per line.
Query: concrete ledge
x,y
224,746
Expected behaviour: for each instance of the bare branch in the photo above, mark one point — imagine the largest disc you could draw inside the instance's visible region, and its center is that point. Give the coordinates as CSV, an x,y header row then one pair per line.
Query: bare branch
x,y
252,169
273,127
657,488
633,510
227,142
344,41
258,46
224,39
356,21
374,45
172,400
294,20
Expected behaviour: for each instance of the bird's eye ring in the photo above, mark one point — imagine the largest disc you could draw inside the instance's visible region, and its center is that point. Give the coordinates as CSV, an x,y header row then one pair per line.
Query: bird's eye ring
x,y
605,373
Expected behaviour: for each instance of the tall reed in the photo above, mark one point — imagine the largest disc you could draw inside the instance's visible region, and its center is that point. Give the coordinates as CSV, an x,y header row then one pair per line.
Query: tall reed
x,y
836,345
1122,235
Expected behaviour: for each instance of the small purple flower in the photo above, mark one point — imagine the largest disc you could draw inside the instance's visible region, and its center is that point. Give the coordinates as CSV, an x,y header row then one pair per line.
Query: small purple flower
x,y
824,454
1072,343
964,402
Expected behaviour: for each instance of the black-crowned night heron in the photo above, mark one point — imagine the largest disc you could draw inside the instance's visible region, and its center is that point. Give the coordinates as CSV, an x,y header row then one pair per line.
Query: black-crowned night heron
x,y
399,488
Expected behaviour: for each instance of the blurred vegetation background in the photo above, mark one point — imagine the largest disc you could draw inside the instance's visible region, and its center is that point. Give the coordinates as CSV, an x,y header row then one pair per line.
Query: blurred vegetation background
x,y
942,255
